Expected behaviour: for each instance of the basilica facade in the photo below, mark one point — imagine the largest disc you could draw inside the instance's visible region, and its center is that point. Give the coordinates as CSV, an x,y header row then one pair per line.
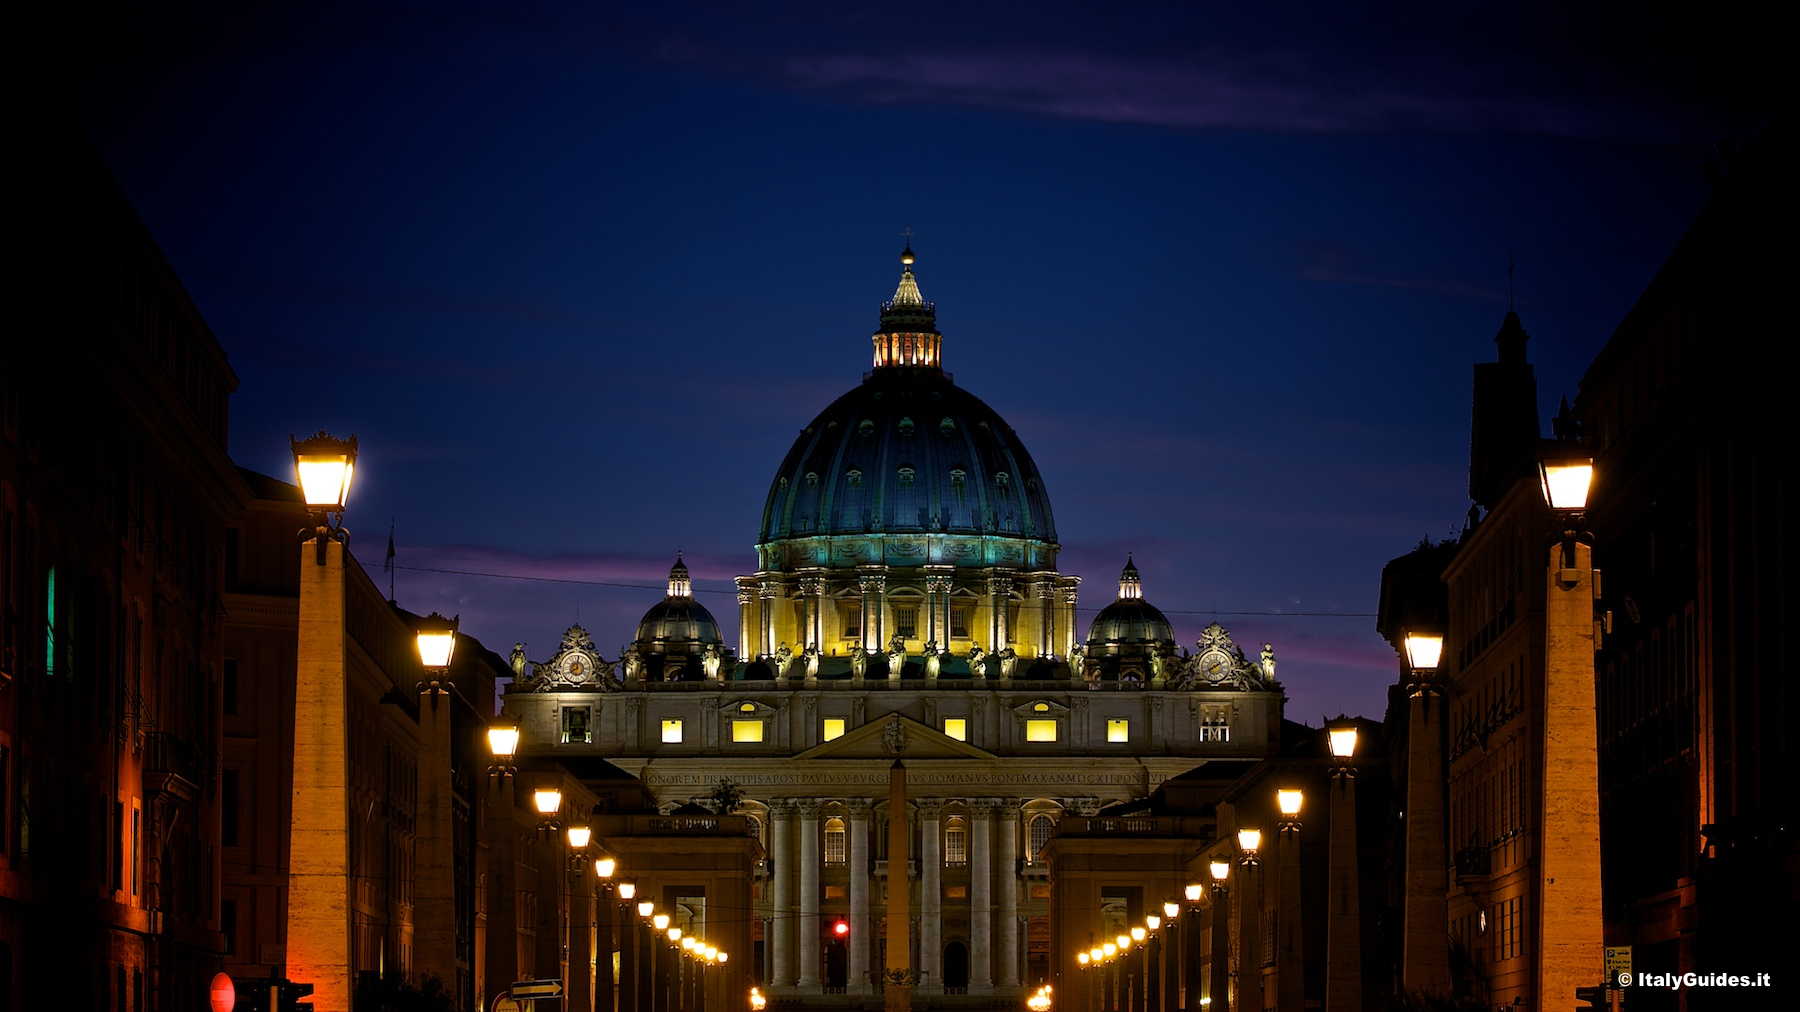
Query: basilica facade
x,y
906,605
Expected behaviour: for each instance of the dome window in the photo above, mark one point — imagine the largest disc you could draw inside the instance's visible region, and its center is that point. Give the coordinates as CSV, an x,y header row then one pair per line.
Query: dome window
x,y
907,475
865,427
812,479
853,477
906,426
783,481
1002,479
947,426
958,476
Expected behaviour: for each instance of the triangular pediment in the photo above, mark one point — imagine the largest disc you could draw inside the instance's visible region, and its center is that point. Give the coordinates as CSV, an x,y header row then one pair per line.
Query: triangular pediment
x,y
894,736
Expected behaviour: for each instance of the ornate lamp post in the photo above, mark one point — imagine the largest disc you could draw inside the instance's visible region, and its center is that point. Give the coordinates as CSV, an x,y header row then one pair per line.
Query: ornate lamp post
x,y
503,743
1290,982
1569,922
318,934
1154,954
1425,946
1343,944
1173,956
1250,903
1139,989
434,845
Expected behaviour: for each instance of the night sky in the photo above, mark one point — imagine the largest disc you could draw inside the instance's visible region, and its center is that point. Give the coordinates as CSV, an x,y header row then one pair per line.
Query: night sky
x,y
578,279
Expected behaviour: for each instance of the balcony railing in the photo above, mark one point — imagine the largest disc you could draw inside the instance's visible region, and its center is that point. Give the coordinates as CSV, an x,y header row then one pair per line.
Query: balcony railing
x,y
1134,825
671,825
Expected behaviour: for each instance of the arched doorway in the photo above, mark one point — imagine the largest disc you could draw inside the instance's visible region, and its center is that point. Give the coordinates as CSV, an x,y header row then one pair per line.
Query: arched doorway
x,y
956,968
837,966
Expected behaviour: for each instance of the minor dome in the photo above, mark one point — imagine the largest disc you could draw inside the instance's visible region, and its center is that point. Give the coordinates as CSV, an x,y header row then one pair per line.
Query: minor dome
x,y
1130,621
678,621
907,451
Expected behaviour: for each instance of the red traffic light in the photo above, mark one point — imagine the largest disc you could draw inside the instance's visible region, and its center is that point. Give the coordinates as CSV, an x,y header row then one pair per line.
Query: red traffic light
x,y
841,928
222,994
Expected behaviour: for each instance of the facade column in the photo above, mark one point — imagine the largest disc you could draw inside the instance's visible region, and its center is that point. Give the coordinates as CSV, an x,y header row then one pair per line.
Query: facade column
x,y
1006,830
1569,921
981,896
781,847
1218,986
606,906
1290,969
628,955
501,962
812,591
748,619
1425,939
579,987
1070,594
1045,589
937,590
807,931
434,894
1249,893
861,930
931,894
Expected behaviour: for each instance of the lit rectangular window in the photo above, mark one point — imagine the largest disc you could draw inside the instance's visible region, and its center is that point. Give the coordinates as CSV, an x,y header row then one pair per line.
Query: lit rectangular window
x,y
50,622
833,728
671,731
852,615
746,730
956,727
1118,729
962,617
1040,730
906,623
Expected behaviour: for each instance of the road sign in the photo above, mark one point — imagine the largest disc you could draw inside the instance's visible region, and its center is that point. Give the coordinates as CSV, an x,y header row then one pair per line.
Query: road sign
x,y
537,989
1618,965
505,1003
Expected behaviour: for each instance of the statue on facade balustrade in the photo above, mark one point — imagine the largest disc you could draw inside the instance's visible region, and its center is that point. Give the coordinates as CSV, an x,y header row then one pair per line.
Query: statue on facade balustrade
x,y
712,659
896,656
783,659
1009,660
809,660
859,661
977,661
933,659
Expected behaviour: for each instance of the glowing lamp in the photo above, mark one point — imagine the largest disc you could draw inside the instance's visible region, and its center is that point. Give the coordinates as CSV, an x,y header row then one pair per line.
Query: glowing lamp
x,y
1111,950
1343,741
674,935
503,740
1193,891
724,957
645,908
579,836
686,943
1123,941
437,641
1220,870
1081,958
605,866
1423,649
757,1001
1096,954
1249,840
548,800
1289,800
324,465
1172,909
1138,933
1153,922
1567,475
660,922
626,889
222,993
841,928
712,953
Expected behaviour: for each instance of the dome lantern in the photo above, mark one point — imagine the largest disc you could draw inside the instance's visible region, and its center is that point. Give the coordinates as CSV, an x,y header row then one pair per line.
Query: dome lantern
x,y
908,337
1131,586
679,584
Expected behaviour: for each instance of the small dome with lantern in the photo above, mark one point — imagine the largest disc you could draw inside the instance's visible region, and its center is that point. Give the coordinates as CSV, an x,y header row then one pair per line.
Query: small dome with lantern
x,y
677,623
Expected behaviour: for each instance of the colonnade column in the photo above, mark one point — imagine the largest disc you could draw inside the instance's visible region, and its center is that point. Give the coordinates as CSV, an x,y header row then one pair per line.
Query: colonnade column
x,y
781,849
1045,590
931,895
860,928
1069,597
1006,829
748,620
874,597
981,896
807,931
580,987
999,605
769,592
937,591
812,591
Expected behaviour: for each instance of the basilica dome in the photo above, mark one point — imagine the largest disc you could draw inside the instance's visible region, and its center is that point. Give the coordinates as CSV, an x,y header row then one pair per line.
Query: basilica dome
x,y
907,451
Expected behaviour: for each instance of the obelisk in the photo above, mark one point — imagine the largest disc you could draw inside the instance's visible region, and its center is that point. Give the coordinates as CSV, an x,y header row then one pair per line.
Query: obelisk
x,y
897,989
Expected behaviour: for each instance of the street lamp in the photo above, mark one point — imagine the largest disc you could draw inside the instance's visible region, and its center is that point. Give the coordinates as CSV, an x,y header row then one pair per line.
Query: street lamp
x,y
1249,841
660,922
1172,909
1250,903
626,889
1289,800
1567,475
1220,983
1342,735
323,467
437,642
1423,650
1152,922
503,742
547,801
579,837
1290,979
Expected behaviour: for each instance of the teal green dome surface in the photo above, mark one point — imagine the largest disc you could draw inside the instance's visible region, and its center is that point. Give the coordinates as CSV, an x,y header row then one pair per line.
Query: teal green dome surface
x,y
907,451
1130,622
678,621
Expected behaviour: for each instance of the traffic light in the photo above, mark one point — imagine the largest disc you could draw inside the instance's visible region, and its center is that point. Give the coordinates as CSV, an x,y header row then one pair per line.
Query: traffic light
x,y
290,995
841,928
1594,996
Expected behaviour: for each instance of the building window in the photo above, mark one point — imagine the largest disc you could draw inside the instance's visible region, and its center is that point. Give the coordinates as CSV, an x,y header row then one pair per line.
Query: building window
x,y
906,622
137,818
957,727
1215,723
962,618
834,841
746,730
118,847
50,621
577,726
1040,730
1118,729
671,731
228,808
956,841
852,615
831,729
228,924
1042,826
